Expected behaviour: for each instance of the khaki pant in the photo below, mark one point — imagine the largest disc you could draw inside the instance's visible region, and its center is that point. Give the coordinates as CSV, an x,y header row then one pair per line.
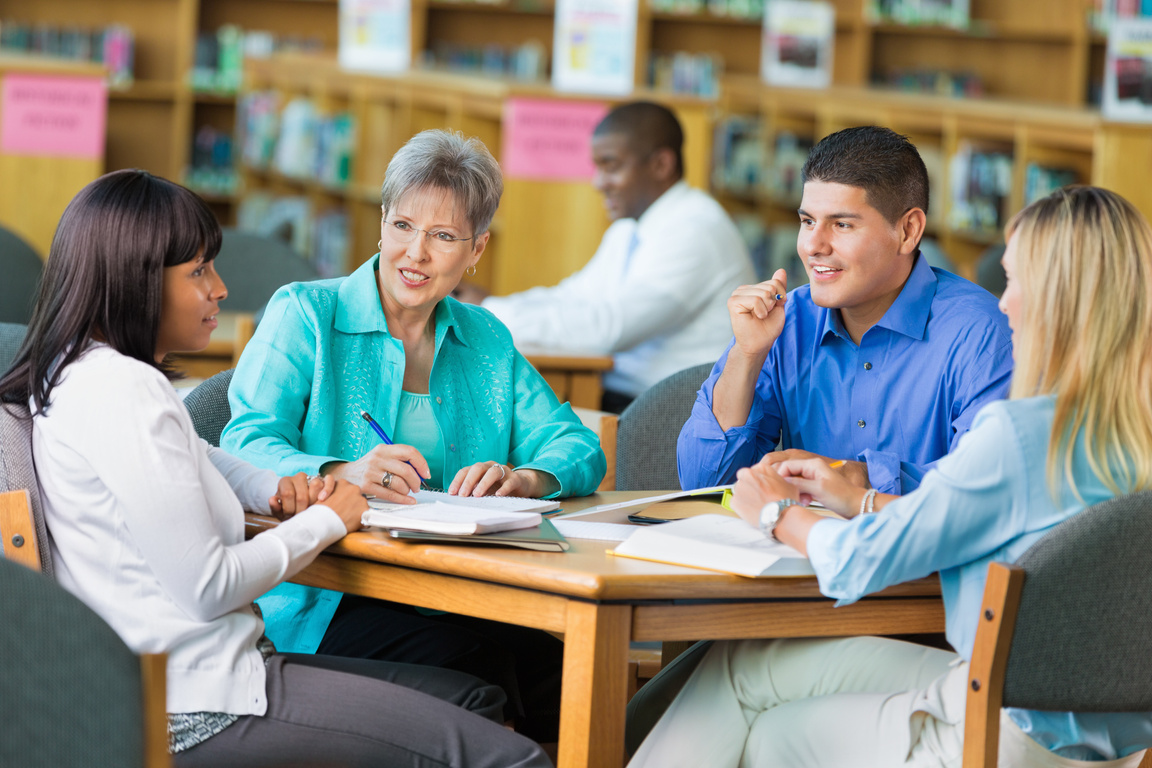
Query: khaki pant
x,y
861,702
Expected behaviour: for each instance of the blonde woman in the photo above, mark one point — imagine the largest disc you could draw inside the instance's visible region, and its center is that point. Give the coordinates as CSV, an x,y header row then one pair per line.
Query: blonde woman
x,y
1076,431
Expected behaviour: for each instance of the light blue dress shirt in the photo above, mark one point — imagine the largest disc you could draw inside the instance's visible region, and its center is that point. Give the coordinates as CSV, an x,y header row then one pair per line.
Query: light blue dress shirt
x,y
988,501
322,352
898,401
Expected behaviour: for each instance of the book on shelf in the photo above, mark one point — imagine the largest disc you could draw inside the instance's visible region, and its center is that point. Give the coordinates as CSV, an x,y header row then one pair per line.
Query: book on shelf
x,y
715,543
951,13
1128,71
798,40
443,513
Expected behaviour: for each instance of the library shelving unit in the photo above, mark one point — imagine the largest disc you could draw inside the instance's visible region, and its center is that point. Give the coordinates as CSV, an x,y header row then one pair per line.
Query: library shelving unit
x,y
1073,138
1039,52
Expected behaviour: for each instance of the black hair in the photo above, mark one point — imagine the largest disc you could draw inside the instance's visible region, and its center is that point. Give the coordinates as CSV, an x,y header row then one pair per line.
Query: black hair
x,y
647,127
878,160
105,276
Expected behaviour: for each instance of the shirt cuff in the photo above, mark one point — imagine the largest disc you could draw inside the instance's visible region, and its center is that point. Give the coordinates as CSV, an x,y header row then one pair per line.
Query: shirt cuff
x,y
883,470
821,546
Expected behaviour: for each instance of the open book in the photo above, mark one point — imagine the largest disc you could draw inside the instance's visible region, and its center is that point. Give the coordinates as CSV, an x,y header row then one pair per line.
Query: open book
x,y
437,512
716,543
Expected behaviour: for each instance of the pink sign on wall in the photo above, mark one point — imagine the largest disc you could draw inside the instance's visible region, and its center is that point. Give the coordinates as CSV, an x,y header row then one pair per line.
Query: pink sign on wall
x,y
549,139
55,116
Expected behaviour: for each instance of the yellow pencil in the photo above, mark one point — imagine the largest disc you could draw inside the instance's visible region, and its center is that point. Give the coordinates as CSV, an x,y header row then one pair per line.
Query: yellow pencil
x,y
838,464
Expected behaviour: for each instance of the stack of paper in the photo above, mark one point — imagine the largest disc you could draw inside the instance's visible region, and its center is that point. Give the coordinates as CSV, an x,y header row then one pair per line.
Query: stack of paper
x,y
437,512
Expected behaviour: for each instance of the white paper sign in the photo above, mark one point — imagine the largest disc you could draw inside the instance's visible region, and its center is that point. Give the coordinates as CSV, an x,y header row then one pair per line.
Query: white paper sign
x,y
1128,71
594,46
797,45
375,35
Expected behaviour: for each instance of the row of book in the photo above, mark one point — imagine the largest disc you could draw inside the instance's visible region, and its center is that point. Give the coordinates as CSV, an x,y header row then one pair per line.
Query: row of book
x,y
747,162
1104,13
935,81
320,235
952,13
697,74
218,65
527,62
740,9
298,140
114,46
212,170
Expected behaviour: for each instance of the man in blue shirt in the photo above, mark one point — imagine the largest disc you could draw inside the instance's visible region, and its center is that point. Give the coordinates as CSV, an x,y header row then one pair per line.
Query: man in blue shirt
x,y
881,360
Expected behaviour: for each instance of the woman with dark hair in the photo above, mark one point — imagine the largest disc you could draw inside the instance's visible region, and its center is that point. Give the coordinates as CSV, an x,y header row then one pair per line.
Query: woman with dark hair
x,y
146,521
464,408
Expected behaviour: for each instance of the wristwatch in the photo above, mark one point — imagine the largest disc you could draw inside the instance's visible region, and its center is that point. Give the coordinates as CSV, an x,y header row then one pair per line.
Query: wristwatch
x,y
770,515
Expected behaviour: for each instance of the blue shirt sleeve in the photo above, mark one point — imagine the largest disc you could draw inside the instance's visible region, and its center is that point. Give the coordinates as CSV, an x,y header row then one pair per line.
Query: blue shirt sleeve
x,y
706,455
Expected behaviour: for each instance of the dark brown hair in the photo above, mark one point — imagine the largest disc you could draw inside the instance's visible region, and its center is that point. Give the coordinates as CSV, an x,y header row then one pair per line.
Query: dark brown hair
x,y
105,276
878,160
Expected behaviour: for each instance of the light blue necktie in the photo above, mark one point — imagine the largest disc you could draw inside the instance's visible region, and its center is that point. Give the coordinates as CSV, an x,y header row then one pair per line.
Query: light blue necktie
x,y
631,249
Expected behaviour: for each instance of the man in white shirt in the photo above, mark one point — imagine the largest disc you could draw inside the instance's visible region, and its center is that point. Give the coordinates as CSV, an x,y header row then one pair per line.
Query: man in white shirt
x,y
654,294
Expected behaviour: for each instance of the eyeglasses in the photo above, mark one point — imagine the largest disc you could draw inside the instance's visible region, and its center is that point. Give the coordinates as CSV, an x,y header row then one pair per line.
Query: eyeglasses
x,y
438,240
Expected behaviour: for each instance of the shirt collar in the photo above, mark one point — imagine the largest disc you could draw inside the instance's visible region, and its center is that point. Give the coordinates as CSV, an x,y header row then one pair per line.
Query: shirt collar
x,y
358,308
652,216
908,315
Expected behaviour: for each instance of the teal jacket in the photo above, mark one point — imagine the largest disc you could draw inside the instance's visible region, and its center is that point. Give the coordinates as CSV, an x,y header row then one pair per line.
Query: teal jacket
x,y
322,352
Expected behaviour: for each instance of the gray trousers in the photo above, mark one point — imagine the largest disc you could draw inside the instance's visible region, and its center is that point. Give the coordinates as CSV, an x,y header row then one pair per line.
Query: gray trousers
x,y
329,711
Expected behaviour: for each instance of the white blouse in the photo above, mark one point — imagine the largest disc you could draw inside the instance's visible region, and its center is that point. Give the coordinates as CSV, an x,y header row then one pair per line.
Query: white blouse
x,y
146,526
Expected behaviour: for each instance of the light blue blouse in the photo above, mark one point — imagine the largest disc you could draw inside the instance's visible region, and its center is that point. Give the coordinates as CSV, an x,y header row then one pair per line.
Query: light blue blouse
x,y
416,426
988,501
322,352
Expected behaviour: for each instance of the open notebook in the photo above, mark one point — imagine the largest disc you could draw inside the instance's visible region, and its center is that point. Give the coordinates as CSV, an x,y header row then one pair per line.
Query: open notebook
x,y
438,512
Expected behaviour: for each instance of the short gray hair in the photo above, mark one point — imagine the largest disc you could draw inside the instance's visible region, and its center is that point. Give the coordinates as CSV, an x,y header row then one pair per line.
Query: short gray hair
x,y
446,160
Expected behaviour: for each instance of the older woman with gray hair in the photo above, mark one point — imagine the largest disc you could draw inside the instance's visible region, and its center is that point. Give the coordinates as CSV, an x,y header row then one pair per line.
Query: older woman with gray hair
x,y
466,412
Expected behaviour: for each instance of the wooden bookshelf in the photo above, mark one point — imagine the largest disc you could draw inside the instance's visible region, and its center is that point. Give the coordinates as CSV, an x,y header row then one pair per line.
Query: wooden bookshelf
x,y
1023,51
1112,155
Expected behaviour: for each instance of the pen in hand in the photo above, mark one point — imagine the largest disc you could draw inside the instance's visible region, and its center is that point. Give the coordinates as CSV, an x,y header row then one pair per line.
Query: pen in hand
x,y
388,441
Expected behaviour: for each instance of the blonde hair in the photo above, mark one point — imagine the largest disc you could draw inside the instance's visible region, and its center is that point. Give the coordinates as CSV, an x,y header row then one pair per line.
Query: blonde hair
x,y
1084,262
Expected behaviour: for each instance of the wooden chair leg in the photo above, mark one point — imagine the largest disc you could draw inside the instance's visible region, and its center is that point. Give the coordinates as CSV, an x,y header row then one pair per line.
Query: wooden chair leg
x,y
989,661
154,695
20,544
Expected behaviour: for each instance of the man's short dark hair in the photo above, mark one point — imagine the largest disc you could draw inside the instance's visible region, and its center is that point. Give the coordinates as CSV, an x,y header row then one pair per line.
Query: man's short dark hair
x,y
648,127
878,160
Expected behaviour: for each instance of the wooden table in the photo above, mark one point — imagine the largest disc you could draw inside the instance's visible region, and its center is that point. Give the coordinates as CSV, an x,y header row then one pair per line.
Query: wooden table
x,y
574,376
600,603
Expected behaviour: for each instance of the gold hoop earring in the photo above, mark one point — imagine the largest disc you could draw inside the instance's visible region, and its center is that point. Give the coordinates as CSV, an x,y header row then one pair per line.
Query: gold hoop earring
x,y
471,271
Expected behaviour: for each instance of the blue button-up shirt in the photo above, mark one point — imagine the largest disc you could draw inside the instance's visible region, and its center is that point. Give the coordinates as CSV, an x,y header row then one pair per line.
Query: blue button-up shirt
x,y
989,501
898,401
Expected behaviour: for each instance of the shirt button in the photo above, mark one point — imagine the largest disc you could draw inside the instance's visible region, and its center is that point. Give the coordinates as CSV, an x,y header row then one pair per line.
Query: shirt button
x,y
437,400
867,366
861,424
452,447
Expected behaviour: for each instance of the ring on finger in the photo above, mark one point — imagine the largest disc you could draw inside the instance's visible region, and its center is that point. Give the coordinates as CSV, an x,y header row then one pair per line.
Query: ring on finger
x,y
502,472
386,480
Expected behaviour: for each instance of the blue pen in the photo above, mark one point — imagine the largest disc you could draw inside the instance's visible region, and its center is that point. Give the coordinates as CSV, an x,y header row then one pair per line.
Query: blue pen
x,y
388,441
